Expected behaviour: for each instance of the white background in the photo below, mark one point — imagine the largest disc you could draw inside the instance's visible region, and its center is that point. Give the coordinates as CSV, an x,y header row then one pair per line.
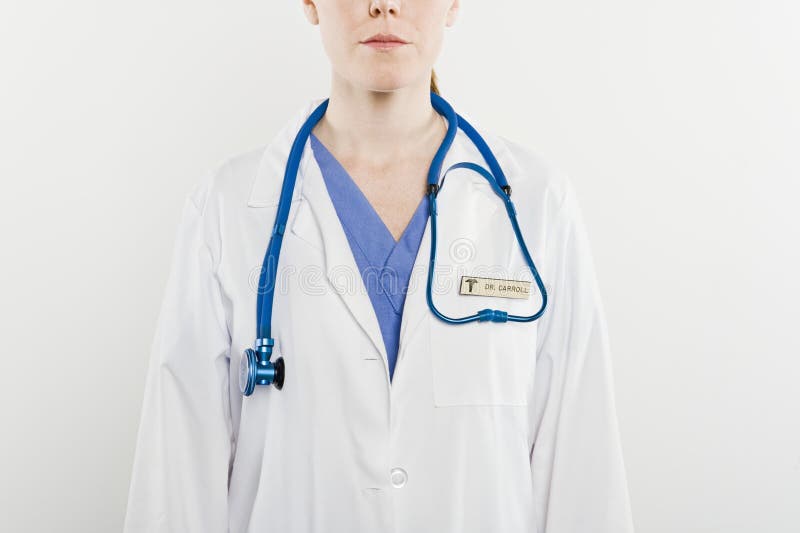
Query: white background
x,y
678,121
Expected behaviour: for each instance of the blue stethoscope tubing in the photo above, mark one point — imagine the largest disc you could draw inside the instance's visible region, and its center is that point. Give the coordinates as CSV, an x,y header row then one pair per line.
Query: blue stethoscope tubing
x,y
256,367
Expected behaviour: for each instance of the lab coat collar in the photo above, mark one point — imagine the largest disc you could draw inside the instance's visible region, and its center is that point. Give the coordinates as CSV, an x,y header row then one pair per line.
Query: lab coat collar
x,y
316,222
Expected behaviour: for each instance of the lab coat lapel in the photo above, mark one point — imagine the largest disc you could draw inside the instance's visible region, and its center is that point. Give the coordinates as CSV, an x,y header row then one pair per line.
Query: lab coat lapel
x,y
340,265
313,219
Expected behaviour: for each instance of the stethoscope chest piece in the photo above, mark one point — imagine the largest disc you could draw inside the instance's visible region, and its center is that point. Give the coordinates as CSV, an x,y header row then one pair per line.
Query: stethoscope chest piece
x,y
255,368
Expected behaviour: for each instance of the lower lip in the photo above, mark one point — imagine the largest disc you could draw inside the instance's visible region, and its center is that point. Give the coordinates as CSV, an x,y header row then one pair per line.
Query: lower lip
x,y
384,45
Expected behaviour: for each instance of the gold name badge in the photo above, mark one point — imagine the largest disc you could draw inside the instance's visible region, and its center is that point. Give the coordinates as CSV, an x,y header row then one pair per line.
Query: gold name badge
x,y
505,288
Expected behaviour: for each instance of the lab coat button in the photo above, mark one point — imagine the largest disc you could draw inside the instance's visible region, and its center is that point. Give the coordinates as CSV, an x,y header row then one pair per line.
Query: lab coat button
x,y
399,477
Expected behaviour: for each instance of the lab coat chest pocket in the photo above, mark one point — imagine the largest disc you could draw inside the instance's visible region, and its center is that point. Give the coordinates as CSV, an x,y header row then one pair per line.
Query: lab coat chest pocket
x,y
482,363
478,363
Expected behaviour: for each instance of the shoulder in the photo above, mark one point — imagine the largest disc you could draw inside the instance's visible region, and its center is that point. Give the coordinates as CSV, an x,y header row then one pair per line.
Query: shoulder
x,y
248,177
229,180
534,180
529,173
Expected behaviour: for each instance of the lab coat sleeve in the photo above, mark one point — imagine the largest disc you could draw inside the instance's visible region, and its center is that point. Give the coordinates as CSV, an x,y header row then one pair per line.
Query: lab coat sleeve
x,y
185,442
577,468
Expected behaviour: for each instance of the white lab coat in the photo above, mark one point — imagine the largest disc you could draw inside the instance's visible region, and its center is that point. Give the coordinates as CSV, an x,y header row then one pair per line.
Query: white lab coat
x,y
486,427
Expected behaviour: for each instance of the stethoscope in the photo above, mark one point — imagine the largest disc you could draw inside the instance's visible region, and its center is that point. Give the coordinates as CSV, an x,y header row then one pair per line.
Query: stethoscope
x,y
255,367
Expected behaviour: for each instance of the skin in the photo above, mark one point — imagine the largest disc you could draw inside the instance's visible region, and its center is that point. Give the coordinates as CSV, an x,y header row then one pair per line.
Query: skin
x,y
380,123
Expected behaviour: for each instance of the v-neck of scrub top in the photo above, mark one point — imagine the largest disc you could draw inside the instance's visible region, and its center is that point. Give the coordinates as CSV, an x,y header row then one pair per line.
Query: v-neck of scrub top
x,y
385,264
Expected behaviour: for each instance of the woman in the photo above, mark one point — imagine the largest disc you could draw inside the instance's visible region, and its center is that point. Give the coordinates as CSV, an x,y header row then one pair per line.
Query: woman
x,y
388,418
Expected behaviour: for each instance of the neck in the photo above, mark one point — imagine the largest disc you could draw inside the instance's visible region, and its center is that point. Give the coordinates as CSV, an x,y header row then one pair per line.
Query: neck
x,y
378,126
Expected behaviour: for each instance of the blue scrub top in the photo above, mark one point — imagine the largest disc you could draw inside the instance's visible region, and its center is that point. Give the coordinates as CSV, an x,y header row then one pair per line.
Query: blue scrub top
x,y
385,264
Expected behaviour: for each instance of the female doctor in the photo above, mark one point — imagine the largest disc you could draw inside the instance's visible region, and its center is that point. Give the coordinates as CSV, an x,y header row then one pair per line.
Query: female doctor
x,y
370,412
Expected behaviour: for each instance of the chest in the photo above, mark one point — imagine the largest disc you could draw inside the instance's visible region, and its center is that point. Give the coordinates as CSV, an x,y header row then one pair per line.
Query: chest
x,y
394,192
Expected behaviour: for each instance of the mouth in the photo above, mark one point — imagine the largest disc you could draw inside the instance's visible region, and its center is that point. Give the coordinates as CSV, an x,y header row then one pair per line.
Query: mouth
x,y
384,41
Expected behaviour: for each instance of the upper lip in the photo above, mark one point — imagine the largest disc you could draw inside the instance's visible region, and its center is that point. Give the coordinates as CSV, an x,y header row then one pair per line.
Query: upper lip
x,y
385,37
